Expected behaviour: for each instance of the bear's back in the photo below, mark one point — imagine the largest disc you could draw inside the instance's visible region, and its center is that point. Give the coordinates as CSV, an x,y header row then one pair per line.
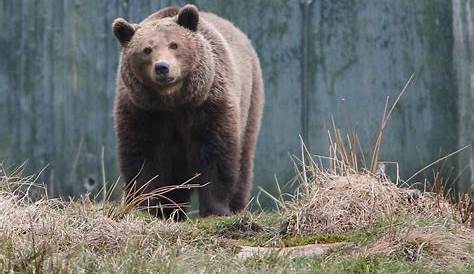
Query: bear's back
x,y
235,38
244,63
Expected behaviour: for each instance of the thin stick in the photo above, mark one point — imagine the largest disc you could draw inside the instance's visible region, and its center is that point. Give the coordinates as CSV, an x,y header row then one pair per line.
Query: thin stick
x,y
104,182
437,161
385,119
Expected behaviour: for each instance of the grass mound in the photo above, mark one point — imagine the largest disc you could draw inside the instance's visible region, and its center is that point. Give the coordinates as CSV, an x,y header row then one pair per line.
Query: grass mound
x,y
328,203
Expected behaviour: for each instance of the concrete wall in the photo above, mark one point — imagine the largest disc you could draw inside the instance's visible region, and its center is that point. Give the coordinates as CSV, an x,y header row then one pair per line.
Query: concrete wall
x,y
320,58
463,27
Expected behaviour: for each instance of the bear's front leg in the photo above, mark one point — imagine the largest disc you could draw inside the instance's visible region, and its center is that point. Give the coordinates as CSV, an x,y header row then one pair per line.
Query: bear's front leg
x,y
219,165
146,162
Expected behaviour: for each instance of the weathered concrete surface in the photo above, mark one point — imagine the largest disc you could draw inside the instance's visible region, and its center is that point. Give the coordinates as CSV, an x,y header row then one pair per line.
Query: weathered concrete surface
x,y
463,28
363,52
340,58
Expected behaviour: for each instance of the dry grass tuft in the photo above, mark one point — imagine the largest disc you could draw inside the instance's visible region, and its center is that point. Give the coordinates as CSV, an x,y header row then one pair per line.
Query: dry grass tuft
x,y
331,203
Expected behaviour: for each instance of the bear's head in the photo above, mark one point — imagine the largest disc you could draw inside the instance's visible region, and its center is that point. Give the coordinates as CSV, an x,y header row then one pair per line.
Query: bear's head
x,y
166,62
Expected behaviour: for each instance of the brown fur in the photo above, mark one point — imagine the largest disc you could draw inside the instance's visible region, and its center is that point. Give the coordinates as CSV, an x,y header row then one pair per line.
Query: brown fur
x,y
206,121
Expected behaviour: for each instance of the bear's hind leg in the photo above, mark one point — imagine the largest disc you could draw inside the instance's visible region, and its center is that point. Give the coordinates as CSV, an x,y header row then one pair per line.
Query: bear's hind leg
x,y
244,185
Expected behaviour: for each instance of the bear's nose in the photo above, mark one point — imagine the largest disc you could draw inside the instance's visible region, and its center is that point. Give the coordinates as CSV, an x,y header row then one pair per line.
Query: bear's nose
x,y
162,67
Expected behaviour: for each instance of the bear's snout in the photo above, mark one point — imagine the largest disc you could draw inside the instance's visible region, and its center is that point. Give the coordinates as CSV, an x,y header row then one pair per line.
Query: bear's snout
x,y
162,68
162,71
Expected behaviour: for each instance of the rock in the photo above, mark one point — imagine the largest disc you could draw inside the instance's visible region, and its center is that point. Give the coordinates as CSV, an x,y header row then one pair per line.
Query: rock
x,y
296,251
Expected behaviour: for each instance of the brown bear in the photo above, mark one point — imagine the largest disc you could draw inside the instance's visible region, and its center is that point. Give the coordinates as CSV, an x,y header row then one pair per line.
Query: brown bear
x,y
189,101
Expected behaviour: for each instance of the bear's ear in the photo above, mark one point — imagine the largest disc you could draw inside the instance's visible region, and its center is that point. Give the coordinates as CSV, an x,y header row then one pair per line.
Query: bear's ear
x,y
123,30
188,17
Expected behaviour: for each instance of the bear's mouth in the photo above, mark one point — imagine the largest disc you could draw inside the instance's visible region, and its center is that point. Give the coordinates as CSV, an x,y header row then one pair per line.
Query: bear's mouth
x,y
165,80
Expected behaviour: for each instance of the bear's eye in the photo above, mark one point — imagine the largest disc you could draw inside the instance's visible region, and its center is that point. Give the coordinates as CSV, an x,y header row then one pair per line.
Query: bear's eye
x,y
147,50
173,45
